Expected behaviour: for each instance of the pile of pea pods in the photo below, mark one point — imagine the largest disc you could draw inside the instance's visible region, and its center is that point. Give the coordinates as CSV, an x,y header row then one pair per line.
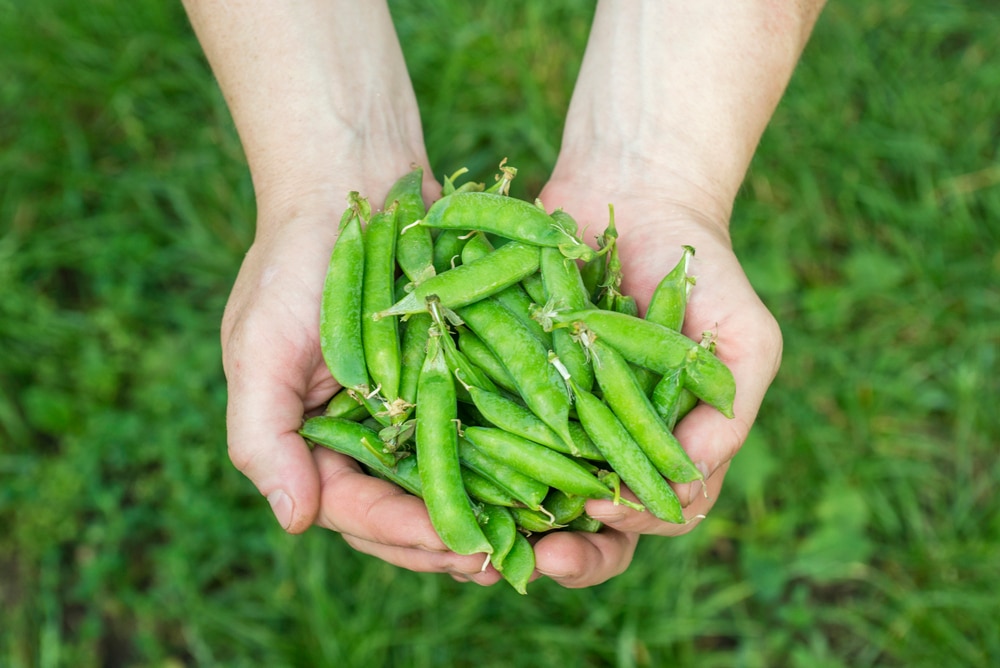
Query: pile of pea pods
x,y
490,365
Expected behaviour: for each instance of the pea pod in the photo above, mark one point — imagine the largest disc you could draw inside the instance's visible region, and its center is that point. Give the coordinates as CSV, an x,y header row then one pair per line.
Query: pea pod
x,y
627,458
484,490
471,282
479,354
448,245
415,249
344,404
537,461
668,302
526,358
527,490
504,216
380,336
564,288
341,340
622,392
498,525
413,345
360,443
448,504
519,564
660,349
515,418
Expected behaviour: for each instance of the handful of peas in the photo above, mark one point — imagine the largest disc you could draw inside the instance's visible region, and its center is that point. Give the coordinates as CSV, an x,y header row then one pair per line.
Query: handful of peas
x,y
491,366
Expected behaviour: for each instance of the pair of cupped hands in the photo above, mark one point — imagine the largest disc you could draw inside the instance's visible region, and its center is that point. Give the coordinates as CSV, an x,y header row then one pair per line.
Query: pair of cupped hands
x,y
276,374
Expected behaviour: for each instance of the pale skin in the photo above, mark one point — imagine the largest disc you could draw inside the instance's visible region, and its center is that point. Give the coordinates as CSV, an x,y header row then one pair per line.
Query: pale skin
x,y
670,104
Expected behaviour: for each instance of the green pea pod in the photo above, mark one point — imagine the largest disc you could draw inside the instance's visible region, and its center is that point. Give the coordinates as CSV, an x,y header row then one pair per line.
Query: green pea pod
x,y
525,489
360,443
484,490
659,349
515,418
345,404
669,300
416,331
415,248
585,524
498,524
537,461
504,216
381,336
479,354
448,245
622,392
533,286
519,564
627,459
471,282
436,438
666,396
340,310
534,521
564,507
564,288
539,384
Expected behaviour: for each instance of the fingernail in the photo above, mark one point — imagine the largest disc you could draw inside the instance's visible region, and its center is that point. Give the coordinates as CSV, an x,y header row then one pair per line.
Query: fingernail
x,y
281,506
705,471
606,512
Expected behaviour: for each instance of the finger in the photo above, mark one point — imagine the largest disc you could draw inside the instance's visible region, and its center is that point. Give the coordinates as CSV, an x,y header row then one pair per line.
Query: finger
x,y
371,509
577,559
627,520
463,568
263,417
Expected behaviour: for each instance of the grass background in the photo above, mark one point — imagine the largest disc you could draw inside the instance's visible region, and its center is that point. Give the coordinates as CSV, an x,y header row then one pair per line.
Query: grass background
x,y
859,525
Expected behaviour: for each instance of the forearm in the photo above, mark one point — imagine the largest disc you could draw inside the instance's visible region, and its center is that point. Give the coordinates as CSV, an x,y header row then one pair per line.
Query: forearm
x,y
316,88
676,95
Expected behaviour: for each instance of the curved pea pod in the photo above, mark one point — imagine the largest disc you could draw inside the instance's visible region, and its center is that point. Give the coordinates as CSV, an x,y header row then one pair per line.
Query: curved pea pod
x,y
537,461
436,439
564,507
585,524
517,419
362,444
564,287
533,286
660,349
539,384
344,404
341,340
666,396
479,354
669,299
503,216
534,521
525,489
380,336
413,344
498,525
471,282
448,245
627,459
519,564
415,249
484,490
622,392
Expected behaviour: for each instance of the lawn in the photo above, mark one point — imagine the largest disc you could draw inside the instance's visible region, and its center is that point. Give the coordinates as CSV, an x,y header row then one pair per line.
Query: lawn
x,y
859,525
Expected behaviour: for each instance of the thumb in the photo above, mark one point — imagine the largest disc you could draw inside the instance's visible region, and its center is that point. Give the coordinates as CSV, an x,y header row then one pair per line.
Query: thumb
x,y
263,418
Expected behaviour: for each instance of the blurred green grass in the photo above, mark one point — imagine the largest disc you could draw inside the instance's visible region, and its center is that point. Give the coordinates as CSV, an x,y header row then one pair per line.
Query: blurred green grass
x,y
859,525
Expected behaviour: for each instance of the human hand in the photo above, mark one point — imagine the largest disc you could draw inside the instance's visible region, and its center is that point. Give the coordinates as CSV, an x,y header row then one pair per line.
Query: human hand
x,y
652,232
